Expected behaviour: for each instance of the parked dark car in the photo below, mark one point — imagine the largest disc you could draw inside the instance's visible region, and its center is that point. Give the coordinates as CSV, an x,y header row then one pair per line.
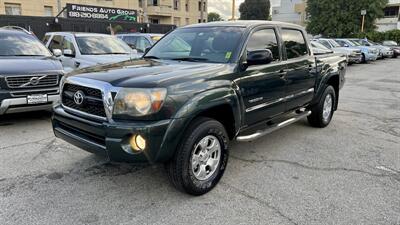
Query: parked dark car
x,y
29,74
394,46
195,90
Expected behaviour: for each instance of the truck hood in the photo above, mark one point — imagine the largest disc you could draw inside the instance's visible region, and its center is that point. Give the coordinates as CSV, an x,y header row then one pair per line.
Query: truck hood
x,y
145,73
28,65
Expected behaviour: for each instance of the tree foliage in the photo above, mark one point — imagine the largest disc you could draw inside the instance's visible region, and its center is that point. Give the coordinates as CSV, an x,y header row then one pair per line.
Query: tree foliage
x,y
341,18
213,16
255,10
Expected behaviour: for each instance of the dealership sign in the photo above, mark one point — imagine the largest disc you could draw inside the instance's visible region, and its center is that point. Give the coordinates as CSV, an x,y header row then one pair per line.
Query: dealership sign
x,y
100,13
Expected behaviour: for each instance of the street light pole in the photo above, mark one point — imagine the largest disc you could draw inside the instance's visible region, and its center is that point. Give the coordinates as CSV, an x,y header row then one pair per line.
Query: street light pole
x,y
233,10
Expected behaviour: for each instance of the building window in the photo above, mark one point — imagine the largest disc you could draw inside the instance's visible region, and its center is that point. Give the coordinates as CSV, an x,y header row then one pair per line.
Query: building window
x,y
154,21
48,11
177,21
141,3
392,11
176,4
187,6
187,21
199,6
13,9
153,2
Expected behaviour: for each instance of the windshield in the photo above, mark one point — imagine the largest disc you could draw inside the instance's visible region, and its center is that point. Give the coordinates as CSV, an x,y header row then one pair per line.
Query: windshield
x,y
102,45
15,44
334,43
207,44
390,43
355,42
316,44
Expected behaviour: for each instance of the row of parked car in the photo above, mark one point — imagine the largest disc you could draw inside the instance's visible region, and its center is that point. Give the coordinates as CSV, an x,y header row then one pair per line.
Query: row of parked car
x,y
356,50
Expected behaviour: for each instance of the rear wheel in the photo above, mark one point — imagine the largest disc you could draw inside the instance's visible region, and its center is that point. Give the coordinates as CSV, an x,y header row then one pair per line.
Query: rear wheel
x,y
322,113
201,159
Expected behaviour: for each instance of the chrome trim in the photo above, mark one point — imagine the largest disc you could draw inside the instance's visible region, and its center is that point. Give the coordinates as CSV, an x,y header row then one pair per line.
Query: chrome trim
x,y
52,91
40,77
286,98
268,130
6,103
106,91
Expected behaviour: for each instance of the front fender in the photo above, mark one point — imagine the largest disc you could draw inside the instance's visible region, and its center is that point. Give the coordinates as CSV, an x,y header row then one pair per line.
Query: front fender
x,y
193,108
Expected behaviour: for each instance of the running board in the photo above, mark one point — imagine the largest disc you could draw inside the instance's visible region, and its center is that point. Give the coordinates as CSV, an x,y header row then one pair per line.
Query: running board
x,y
273,127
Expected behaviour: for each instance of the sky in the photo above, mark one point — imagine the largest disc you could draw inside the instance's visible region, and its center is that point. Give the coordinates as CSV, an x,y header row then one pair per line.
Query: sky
x,y
224,7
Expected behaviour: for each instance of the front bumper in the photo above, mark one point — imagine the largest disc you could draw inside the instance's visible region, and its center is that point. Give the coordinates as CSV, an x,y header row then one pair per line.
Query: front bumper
x,y
355,58
388,54
16,105
371,57
109,139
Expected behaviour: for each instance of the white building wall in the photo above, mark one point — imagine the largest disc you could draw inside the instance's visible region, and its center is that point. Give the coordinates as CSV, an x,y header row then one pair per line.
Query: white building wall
x,y
286,12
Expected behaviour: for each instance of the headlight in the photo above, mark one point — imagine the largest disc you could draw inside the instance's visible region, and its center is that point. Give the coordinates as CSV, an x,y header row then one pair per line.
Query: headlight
x,y
139,102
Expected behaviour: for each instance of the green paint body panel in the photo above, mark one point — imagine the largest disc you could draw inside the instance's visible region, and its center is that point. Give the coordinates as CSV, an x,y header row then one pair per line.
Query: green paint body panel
x,y
193,88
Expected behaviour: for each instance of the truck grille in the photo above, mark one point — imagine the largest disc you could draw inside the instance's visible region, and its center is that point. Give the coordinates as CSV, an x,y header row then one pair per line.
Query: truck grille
x,y
32,81
92,100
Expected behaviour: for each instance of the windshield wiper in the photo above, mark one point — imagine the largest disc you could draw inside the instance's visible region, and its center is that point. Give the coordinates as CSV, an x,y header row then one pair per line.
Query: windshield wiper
x,y
150,57
190,59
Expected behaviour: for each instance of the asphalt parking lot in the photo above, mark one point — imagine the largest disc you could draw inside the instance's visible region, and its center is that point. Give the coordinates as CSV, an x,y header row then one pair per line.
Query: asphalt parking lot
x,y
348,173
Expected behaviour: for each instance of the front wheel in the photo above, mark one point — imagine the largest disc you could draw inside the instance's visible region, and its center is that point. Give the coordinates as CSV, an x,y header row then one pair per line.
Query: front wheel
x,y
322,113
201,159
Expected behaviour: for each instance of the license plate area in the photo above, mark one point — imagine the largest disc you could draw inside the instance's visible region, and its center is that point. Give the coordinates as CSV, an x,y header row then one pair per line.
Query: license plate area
x,y
37,99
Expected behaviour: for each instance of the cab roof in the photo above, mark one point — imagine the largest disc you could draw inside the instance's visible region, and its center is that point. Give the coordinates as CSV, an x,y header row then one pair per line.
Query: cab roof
x,y
245,23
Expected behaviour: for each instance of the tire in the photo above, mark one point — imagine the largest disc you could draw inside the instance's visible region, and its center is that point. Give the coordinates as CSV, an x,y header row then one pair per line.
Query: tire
x,y
363,59
182,169
317,117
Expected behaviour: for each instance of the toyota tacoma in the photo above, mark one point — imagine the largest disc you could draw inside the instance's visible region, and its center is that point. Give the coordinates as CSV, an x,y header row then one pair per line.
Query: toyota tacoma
x,y
194,91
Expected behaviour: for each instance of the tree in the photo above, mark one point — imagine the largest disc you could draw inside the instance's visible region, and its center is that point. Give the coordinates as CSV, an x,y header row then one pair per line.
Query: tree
x,y
255,10
213,16
342,18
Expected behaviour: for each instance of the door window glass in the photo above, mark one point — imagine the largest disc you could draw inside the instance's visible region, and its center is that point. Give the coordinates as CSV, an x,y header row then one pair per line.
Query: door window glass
x,y
56,42
264,39
68,44
142,44
295,43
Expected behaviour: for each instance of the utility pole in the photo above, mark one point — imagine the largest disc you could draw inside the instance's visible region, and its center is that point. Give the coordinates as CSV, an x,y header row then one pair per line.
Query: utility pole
x,y
233,10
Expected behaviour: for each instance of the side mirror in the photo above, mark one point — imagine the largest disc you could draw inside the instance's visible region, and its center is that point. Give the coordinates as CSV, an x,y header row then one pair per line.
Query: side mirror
x,y
57,52
259,57
367,44
68,52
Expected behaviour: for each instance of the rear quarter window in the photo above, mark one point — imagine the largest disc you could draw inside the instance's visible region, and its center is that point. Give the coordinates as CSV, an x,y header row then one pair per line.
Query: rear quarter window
x,y
295,43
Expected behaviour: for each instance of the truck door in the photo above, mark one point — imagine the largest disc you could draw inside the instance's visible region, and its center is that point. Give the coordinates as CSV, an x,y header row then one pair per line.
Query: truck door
x,y
69,54
263,86
300,65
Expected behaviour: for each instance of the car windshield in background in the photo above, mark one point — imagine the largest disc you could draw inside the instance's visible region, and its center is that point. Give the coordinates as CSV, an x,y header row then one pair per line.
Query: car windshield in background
x,y
393,43
316,44
101,45
334,43
21,45
198,44
355,43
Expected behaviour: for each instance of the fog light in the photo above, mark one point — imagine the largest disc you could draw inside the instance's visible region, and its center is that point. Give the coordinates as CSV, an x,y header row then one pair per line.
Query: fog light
x,y
138,143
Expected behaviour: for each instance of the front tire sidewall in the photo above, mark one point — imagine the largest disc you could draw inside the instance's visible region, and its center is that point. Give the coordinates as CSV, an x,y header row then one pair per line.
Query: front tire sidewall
x,y
203,186
328,91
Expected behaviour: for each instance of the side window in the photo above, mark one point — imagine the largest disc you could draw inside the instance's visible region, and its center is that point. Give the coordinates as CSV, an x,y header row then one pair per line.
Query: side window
x,y
142,44
264,39
341,43
46,39
131,41
295,43
68,44
56,42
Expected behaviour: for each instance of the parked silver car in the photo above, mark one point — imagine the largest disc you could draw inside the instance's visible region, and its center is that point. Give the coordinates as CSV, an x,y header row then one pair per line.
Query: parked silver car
x,y
80,50
140,41
354,55
384,52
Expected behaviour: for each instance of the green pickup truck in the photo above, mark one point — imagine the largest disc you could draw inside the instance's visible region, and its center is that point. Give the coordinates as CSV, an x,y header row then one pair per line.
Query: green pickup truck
x,y
197,89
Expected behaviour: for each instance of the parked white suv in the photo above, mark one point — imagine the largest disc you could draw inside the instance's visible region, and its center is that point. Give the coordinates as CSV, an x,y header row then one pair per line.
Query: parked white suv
x,y
80,50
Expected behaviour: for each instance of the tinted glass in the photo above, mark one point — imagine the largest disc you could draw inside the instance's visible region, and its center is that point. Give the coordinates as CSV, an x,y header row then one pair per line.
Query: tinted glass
x,y
102,45
325,43
68,44
142,44
295,43
319,45
46,39
334,43
130,40
264,39
56,42
212,44
21,45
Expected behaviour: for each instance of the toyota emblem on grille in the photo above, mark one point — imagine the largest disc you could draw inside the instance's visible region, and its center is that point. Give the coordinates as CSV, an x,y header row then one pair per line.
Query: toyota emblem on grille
x,y
79,97
34,81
